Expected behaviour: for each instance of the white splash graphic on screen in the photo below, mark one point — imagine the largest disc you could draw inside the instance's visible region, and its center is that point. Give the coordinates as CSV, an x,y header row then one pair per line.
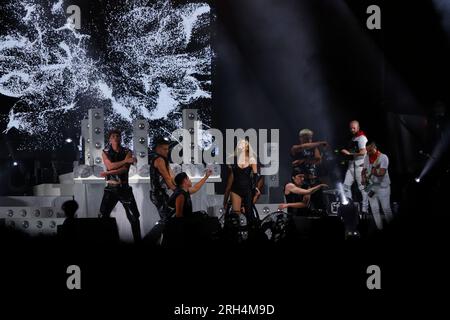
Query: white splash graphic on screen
x,y
155,62
156,71
43,65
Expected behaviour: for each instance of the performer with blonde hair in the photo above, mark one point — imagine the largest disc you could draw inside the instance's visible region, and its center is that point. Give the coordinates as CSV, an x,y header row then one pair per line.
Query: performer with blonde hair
x,y
241,181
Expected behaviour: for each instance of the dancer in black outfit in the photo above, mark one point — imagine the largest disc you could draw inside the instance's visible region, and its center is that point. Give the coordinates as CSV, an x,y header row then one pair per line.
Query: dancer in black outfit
x,y
295,195
307,158
241,182
161,177
185,228
161,181
180,200
117,160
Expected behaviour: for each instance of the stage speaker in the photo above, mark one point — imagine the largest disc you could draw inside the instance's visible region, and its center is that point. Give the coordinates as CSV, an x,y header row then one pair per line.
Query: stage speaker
x,y
265,209
31,212
192,123
350,216
96,128
34,226
140,145
88,231
86,140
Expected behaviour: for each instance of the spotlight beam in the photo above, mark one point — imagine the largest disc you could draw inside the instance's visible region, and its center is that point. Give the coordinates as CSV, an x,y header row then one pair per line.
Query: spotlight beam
x,y
438,152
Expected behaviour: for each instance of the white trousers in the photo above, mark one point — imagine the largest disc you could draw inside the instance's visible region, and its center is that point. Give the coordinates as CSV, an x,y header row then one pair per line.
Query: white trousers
x,y
348,182
382,196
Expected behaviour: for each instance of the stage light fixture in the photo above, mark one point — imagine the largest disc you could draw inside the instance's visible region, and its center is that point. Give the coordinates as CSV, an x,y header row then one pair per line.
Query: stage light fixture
x,y
98,160
10,213
142,154
141,140
68,140
23,213
25,224
141,126
417,179
15,163
37,213
39,224
343,198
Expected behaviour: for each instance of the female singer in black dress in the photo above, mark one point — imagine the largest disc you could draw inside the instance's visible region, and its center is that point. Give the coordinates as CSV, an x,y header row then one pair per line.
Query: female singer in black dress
x,y
241,181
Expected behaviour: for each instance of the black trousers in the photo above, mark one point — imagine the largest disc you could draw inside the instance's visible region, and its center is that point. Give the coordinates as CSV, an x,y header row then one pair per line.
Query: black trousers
x,y
161,201
124,194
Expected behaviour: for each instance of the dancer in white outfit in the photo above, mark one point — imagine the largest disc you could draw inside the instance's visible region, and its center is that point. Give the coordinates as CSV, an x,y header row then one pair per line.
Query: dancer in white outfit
x,y
356,152
375,177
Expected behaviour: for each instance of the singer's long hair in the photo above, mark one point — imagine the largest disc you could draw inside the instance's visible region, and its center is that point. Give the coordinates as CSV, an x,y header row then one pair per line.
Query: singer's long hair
x,y
250,154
